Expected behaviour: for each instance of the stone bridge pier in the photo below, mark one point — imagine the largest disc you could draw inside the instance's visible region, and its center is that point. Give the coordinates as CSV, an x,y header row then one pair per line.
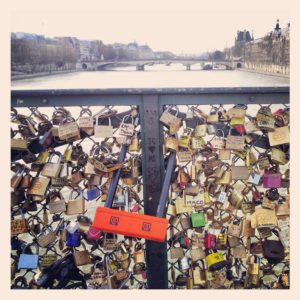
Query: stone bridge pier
x,y
140,67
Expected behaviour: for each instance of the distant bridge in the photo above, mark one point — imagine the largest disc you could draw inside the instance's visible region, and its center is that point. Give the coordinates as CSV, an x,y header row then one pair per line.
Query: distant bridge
x,y
141,63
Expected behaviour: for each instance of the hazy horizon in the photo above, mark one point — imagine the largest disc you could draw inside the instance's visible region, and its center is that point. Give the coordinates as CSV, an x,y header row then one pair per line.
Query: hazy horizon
x,y
185,30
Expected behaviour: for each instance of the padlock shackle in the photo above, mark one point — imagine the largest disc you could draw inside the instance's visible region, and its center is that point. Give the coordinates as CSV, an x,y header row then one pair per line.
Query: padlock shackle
x,y
166,185
115,179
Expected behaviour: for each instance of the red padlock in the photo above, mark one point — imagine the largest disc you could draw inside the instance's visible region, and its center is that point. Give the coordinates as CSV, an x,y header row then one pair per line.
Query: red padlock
x,y
239,128
210,240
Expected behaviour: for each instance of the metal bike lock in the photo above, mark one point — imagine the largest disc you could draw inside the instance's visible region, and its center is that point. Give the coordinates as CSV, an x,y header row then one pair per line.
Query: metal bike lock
x,y
131,224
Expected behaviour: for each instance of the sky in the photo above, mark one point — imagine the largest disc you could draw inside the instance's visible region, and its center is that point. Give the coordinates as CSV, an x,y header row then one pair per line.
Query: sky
x,y
180,28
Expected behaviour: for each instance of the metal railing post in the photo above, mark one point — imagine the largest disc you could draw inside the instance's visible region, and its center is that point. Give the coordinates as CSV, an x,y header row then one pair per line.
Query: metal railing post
x,y
156,253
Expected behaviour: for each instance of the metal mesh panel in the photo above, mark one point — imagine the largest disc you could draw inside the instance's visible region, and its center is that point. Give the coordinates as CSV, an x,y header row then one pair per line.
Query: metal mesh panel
x,y
180,272
39,210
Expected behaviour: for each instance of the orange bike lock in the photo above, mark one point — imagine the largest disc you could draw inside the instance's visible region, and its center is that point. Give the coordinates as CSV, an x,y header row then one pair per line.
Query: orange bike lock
x,y
132,224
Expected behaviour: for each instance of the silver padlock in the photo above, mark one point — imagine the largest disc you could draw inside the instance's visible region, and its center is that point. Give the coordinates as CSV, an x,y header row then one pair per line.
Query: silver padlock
x,y
72,227
222,197
211,129
284,236
184,263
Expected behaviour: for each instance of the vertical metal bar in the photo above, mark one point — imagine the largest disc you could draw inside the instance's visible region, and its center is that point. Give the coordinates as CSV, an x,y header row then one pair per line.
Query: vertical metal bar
x,y
156,253
115,179
161,209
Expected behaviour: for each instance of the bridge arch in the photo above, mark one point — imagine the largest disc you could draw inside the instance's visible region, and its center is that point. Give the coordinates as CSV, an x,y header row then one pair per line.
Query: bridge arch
x,y
239,65
84,66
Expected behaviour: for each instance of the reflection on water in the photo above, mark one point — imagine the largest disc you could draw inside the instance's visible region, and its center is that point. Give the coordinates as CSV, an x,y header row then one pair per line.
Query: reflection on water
x,y
155,76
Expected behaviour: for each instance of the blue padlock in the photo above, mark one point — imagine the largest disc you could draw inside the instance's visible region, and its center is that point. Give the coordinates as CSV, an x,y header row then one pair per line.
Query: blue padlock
x,y
73,239
15,243
92,193
29,261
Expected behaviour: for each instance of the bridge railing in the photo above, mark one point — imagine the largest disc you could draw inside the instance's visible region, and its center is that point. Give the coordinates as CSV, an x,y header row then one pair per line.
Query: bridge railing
x,y
151,103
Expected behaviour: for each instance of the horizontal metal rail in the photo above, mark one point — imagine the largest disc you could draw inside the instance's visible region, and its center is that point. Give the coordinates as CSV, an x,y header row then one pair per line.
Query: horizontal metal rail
x,y
232,95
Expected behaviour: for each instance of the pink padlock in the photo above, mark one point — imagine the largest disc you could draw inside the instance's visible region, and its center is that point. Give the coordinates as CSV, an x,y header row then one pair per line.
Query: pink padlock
x,y
272,180
94,234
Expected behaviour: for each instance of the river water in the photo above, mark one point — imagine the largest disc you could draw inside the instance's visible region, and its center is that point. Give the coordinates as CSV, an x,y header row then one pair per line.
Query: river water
x,y
153,77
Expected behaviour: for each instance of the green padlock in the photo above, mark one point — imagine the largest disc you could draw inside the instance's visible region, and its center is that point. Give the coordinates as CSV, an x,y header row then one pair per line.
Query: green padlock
x,y
198,219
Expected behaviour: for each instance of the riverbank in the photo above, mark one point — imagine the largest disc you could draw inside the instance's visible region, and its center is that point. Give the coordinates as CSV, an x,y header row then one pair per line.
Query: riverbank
x,y
35,75
264,73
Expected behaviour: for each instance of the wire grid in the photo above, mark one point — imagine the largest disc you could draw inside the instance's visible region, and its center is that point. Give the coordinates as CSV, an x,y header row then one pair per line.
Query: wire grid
x,y
95,247
268,273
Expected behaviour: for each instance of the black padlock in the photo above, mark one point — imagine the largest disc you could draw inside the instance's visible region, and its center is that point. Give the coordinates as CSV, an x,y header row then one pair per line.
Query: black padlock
x,y
273,251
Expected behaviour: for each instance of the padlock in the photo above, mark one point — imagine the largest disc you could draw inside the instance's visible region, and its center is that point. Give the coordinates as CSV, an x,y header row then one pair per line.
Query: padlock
x,y
68,130
127,129
272,178
278,156
264,118
254,176
47,237
198,143
211,129
239,172
111,278
52,169
40,161
197,253
218,142
103,131
135,144
273,251
272,194
170,120
235,142
59,114
215,260
253,269
86,123
185,139
209,239
222,239
82,257
198,219
171,144
72,226
29,261
225,179
17,178
98,274
222,196
220,170
73,239
186,223
93,233
139,255
92,193
76,151
200,273
279,136
234,228
109,241
213,116
183,155
184,263
201,128
47,260
236,198
237,111
19,226
75,205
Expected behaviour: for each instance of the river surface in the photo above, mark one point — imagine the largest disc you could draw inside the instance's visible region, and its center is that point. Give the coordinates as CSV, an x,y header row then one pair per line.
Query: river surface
x,y
153,77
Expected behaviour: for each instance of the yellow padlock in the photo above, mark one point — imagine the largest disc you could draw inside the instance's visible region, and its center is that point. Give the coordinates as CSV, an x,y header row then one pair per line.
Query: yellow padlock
x,y
185,139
